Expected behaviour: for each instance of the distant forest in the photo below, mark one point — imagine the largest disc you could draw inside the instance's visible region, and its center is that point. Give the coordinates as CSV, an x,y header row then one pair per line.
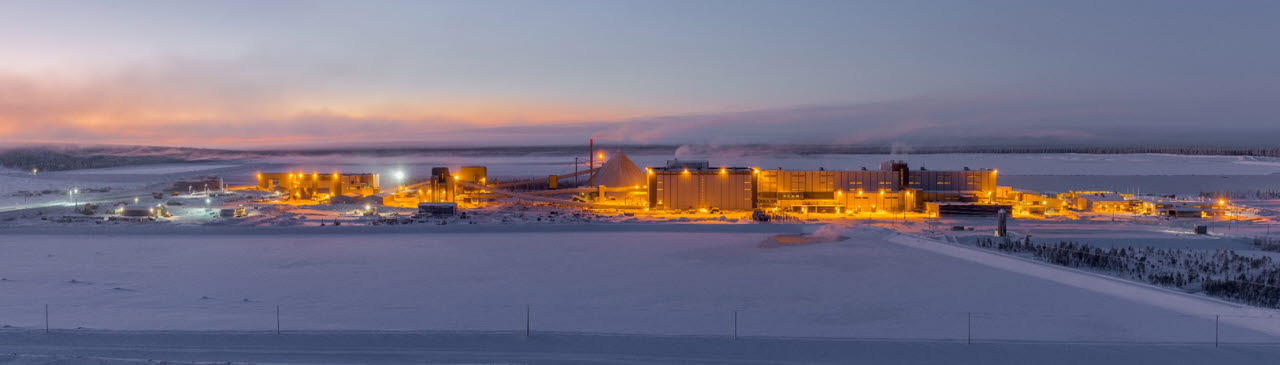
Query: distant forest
x,y
72,157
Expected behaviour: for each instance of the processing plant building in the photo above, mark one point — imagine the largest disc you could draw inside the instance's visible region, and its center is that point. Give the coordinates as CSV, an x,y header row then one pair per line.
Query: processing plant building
x,y
682,185
316,185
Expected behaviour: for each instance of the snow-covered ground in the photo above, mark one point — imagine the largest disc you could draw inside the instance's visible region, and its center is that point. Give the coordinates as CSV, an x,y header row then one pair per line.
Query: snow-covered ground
x,y
593,295
116,348
604,286
870,286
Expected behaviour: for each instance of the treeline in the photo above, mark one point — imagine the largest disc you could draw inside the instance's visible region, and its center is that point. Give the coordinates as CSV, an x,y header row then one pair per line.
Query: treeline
x,y
1256,194
72,157
1220,273
996,149
1266,243
46,160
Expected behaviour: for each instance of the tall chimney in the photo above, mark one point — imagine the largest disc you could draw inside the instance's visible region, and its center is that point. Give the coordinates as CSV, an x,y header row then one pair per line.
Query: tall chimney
x,y
591,175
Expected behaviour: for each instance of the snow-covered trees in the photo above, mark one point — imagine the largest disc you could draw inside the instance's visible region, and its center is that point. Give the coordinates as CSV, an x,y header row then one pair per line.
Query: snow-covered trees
x,y
1221,273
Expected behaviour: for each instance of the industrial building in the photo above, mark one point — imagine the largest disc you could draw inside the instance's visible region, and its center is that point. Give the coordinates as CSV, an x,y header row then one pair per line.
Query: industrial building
x,y
1102,201
1182,208
319,186
682,185
695,185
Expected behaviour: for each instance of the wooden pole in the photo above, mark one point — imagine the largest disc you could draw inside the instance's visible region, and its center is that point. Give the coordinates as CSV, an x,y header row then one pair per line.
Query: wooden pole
x,y
1215,329
528,313
735,325
970,339
277,319
46,318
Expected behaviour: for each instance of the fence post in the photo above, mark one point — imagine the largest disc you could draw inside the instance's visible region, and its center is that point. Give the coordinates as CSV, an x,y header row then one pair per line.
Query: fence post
x,y
528,313
1215,329
735,325
277,319
46,318
969,340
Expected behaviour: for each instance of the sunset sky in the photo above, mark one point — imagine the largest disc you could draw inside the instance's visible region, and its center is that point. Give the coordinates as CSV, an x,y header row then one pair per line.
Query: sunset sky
x,y
263,74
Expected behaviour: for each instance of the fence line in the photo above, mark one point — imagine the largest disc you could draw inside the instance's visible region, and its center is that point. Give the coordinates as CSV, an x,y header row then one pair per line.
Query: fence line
x,y
927,326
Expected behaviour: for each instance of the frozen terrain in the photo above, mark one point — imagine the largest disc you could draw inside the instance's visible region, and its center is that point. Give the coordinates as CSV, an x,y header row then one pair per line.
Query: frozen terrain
x,y
606,287
653,283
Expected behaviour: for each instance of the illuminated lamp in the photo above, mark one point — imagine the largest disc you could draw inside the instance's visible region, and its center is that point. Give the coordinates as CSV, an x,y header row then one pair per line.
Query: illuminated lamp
x,y
723,171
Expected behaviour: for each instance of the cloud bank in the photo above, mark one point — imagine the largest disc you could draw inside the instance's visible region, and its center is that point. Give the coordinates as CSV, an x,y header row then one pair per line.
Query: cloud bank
x,y
220,105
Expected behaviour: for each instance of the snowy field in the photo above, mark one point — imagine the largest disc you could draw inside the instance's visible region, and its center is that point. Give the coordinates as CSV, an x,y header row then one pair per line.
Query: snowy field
x,y
614,296
607,292
874,285
1182,184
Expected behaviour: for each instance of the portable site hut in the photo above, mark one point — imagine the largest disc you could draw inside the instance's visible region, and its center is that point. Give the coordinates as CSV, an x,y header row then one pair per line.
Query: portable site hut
x,y
142,211
952,209
232,212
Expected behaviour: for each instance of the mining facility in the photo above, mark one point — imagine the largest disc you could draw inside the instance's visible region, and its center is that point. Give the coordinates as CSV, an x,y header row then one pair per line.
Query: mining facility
x,y
678,186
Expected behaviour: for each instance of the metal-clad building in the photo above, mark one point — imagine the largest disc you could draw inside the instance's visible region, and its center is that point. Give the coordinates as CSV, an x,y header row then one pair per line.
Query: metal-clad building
x,y
829,190
701,188
952,186
317,185
696,185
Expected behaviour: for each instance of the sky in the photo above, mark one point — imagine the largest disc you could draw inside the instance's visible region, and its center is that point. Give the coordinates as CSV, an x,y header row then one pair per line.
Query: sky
x,y
280,74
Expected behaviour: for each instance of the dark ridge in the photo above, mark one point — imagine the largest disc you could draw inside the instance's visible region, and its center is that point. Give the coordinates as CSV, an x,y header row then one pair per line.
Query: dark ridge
x,y
71,157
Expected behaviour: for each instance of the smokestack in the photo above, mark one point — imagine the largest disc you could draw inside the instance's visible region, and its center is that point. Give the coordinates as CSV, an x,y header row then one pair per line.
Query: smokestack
x,y
591,176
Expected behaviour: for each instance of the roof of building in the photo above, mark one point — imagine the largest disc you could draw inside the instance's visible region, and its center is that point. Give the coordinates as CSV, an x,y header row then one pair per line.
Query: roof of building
x,y
1097,198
